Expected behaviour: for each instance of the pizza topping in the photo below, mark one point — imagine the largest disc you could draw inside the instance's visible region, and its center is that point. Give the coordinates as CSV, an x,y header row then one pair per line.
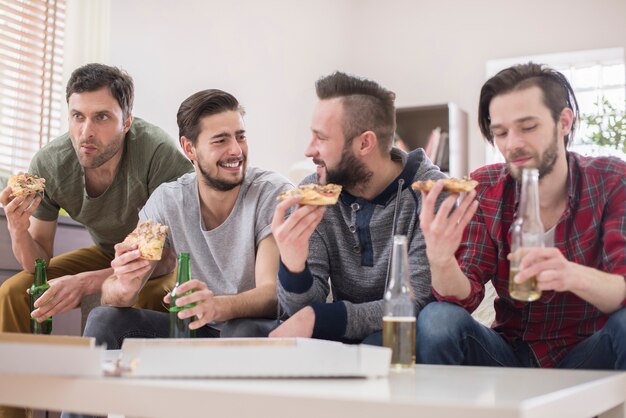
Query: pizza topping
x,y
149,238
314,194
25,184
452,185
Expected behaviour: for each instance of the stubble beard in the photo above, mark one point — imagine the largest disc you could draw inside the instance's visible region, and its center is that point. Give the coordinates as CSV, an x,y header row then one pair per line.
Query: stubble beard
x,y
350,172
546,163
221,184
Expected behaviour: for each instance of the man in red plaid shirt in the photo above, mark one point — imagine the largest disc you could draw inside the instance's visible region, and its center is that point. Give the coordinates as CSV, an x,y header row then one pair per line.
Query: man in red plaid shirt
x,y
580,320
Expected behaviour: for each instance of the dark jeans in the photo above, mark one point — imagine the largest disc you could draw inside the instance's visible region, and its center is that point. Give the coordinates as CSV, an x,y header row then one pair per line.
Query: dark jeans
x,y
447,334
111,326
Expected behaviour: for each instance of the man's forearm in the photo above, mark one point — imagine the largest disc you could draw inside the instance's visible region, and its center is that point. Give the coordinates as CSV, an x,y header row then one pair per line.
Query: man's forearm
x,y
603,290
449,280
121,293
256,303
26,250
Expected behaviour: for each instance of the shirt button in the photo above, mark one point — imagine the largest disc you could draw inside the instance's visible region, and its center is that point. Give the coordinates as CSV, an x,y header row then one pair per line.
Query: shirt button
x,y
355,206
352,228
356,249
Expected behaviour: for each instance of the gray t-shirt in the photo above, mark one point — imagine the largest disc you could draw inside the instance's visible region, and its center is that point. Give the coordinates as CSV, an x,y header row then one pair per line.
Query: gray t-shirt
x,y
223,257
150,158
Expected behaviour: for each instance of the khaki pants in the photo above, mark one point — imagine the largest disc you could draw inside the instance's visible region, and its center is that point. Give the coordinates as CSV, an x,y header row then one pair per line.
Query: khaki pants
x,y
15,303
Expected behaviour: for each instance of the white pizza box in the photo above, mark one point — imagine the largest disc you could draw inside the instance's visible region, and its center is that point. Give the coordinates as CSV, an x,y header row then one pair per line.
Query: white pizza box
x,y
50,355
251,357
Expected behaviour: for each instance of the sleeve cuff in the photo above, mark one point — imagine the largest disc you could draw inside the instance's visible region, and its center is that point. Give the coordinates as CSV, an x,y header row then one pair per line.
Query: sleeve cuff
x,y
295,282
331,320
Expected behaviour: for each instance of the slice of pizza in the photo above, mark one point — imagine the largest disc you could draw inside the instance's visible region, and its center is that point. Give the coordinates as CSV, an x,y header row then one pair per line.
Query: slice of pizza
x,y
314,194
149,238
452,185
25,184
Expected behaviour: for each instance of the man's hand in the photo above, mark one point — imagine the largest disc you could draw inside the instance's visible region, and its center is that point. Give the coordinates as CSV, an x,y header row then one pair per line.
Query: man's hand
x,y
205,309
443,231
299,325
129,267
64,294
18,210
292,234
553,270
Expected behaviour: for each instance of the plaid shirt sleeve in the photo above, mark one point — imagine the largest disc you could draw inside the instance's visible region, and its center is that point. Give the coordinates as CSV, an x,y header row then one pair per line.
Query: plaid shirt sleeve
x,y
614,250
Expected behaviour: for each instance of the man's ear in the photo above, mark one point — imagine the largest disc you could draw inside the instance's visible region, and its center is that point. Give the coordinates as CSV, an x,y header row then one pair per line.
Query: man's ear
x,y
127,123
188,148
366,143
566,121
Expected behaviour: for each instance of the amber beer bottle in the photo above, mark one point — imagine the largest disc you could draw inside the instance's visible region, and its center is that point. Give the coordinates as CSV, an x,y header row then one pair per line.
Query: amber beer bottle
x,y
527,232
39,287
179,328
399,310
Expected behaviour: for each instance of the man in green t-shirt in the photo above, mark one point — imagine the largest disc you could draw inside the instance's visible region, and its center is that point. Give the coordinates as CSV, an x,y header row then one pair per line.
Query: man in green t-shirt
x,y
101,172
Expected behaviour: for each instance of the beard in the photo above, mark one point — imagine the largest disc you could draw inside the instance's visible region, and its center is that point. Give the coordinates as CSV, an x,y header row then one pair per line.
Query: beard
x,y
219,184
350,172
106,152
546,162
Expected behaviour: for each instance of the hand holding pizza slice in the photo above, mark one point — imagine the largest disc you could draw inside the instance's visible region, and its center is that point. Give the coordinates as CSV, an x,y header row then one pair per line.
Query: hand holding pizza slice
x,y
451,185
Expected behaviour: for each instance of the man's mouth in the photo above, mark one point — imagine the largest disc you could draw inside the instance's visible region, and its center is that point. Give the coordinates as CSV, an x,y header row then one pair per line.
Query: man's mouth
x,y
520,160
88,148
231,165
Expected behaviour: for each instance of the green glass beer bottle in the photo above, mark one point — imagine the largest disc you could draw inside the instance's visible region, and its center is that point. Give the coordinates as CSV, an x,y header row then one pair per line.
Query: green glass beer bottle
x,y
39,287
179,328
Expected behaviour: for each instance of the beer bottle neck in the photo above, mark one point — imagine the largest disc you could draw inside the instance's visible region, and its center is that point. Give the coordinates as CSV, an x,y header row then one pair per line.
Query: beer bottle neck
x,y
184,270
40,273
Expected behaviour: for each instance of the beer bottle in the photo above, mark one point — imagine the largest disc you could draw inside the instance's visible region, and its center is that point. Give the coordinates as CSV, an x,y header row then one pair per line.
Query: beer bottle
x,y
179,328
399,309
527,232
39,287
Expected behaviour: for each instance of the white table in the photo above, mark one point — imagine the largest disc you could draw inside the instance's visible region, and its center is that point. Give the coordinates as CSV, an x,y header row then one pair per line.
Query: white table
x,y
426,391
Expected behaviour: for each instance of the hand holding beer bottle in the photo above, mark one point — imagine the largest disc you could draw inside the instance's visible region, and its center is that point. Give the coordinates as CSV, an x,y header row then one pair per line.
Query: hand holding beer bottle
x,y
527,232
179,328
399,311
39,287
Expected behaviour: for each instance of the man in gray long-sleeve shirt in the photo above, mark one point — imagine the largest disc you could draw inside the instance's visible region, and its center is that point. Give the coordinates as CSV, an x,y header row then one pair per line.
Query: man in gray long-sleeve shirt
x,y
350,243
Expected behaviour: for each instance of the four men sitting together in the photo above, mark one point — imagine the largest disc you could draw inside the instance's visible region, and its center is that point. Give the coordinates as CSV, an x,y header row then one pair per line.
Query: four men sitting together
x,y
251,253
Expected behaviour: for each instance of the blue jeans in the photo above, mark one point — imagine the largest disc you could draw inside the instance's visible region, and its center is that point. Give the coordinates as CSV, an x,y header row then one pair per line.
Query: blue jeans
x,y
447,334
111,326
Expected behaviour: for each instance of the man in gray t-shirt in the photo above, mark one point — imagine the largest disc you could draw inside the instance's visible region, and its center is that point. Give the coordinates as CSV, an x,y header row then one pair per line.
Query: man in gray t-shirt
x,y
221,215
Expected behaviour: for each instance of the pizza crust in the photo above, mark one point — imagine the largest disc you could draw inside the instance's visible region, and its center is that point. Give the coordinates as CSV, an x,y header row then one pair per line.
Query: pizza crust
x,y
452,185
150,238
314,194
25,184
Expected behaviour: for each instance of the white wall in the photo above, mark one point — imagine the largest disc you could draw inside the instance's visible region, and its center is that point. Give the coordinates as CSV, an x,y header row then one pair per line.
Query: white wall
x,y
269,53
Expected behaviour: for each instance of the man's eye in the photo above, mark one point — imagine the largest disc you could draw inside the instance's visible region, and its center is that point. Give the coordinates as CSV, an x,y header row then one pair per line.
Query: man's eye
x,y
241,138
528,128
499,134
76,116
102,117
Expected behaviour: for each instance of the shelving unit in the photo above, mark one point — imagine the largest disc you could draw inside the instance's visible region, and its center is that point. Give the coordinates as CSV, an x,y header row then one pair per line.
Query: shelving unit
x,y
415,124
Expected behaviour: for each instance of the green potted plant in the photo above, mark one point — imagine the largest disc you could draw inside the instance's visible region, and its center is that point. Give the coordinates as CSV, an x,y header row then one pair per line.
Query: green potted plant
x,y
607,126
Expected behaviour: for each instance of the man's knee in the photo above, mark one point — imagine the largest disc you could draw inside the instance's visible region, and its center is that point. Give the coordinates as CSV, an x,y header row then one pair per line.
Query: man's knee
x,y
616,325
441,321
100,324
15,287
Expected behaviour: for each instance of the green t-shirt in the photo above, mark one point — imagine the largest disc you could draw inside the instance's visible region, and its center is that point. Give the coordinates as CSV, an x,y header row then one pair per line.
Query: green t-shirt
x,y
150,158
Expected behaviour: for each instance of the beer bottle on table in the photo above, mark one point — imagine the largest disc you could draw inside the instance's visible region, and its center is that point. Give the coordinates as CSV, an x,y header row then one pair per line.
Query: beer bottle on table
x,y
399,309
527,232
39,287
179,328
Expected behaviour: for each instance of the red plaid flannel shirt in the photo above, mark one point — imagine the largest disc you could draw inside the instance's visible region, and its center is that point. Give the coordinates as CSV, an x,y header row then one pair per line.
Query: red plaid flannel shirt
x,y
591,232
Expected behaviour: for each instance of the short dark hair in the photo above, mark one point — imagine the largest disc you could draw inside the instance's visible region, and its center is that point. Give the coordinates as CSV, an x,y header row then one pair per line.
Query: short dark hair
x,y
367,106
557,93
92,77
201,104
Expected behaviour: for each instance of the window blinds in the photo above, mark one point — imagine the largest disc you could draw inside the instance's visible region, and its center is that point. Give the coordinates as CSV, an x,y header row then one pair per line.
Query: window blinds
x,y
31,71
